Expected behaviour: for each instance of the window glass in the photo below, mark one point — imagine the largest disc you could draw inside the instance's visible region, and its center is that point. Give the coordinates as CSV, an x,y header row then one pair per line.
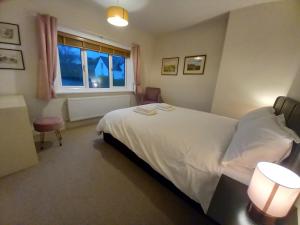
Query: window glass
x,y
70,65
98,69
118,70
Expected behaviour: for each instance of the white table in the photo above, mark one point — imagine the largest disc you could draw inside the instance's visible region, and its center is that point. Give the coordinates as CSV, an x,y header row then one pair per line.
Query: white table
x,y
17,149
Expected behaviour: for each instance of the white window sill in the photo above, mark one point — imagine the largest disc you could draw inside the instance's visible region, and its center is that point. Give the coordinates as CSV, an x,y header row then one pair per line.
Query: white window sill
x,y
90,90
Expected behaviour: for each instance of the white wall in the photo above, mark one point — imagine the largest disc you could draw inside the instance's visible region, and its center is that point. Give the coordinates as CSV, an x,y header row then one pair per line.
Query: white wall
x,y
192,91
261,58
294,91
78,15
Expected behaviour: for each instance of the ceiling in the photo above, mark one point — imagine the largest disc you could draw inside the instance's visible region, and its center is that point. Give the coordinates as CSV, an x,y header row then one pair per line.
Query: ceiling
x,y
161,16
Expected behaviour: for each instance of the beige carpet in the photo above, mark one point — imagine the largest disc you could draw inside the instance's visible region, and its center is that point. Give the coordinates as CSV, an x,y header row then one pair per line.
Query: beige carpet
x,y
88,182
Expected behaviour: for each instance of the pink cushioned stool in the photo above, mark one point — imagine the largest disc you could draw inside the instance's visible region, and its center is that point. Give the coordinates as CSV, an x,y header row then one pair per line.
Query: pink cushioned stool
x,y
49,124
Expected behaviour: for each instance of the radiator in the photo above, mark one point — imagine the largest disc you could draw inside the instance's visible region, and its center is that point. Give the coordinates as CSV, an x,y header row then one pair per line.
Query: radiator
x,y
91,107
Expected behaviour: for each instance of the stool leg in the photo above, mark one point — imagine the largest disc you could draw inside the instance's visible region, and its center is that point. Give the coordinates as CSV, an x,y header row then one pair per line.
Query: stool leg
x,y
59,137
42,139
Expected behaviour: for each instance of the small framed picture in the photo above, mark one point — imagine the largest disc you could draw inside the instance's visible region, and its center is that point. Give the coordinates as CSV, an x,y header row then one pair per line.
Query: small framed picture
x,y
11,59
9,33
194,65
169,66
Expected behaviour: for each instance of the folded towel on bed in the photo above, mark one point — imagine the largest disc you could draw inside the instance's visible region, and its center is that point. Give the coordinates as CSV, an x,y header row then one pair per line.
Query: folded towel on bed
x,y
145,109
165,107
149,113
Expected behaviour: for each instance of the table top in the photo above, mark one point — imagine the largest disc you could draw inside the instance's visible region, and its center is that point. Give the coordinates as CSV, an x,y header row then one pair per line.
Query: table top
x,y
229,203
12,101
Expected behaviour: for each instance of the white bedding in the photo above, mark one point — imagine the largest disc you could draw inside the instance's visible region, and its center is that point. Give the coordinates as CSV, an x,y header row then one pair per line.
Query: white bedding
x,y
185,146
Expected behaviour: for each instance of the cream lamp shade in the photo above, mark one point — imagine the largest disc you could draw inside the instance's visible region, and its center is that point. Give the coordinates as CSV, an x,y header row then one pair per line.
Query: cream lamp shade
x,y
117,16
273,189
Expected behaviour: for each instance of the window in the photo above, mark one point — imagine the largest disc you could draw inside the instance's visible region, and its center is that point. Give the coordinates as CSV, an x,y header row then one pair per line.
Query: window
x,y
118,70
99,68
70,66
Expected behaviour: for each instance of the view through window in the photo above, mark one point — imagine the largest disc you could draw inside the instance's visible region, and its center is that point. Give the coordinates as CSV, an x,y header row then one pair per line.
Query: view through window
x,y
70,66
90,69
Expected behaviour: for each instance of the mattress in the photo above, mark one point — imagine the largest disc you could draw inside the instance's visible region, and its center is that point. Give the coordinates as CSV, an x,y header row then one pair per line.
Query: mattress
x,y
184,145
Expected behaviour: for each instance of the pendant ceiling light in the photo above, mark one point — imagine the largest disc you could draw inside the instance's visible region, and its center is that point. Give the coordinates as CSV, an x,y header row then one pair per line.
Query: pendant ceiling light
x,y
117,16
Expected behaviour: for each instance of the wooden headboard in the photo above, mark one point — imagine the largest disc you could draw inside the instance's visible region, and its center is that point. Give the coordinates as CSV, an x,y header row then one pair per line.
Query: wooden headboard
x,y
291,110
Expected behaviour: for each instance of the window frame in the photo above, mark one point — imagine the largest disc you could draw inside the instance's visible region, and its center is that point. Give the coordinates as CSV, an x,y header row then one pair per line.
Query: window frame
x,y
129,81
87,69
58,72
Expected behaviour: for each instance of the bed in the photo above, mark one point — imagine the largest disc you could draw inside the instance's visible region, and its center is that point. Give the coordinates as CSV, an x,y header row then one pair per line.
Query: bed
x,y
185,146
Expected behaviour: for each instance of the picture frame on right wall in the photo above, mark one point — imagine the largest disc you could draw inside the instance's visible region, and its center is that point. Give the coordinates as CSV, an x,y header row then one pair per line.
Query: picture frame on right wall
x,y
169,66
194,65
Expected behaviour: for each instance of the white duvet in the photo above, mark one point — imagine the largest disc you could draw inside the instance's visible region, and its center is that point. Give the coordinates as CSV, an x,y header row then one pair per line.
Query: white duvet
x,y
185,146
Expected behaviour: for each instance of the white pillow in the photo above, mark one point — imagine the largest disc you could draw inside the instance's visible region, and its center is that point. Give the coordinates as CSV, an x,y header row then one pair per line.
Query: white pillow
x,y
257,113
282,123
260,139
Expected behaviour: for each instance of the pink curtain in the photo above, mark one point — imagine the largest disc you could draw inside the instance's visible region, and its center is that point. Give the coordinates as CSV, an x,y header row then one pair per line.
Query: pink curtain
x,y
47,41
136,58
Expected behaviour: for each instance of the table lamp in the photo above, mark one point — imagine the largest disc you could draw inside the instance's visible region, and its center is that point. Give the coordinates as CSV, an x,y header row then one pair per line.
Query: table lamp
x,y
273,190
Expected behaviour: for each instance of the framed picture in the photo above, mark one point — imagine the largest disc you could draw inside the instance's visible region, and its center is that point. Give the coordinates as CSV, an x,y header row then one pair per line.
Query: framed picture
x,y
194,65
9,33
11,59
169,66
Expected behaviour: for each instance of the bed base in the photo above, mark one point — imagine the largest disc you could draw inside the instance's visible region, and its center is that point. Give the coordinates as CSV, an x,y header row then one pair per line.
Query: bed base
x,y
146,167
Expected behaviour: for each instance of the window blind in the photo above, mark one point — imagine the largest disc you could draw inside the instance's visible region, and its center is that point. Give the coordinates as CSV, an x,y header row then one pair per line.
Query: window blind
x,y
84,43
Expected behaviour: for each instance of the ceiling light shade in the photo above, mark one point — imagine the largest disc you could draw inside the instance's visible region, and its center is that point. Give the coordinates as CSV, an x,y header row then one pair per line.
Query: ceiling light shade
x,y
273,189
117,16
